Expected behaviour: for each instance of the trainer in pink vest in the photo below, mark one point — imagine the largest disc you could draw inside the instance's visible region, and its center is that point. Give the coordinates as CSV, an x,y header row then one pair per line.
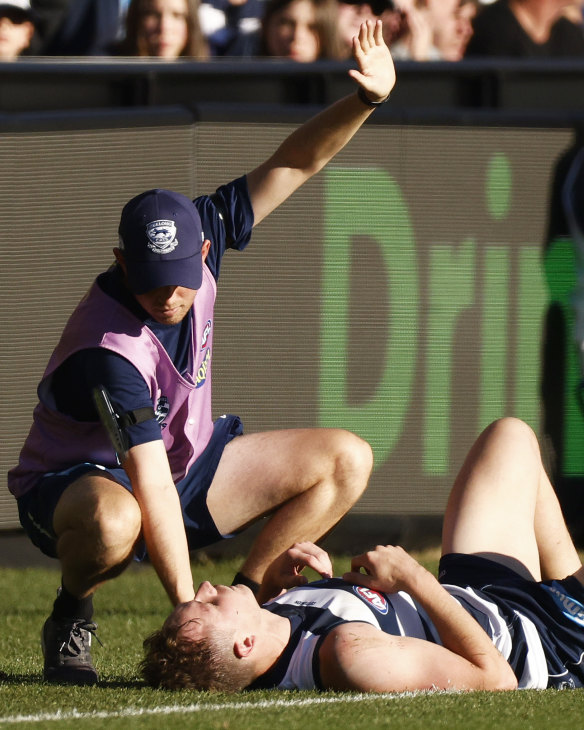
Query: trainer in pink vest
x,y
182,403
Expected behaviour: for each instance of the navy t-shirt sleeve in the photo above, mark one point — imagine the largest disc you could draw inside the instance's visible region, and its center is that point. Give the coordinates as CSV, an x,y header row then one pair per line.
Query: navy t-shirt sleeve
x,y
74,380
227,218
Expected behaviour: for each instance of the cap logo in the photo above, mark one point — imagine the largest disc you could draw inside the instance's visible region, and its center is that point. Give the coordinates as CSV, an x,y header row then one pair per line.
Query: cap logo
x,y
161,236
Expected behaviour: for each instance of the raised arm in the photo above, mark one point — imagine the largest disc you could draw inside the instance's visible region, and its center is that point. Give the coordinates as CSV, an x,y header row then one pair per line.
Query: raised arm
x,y
357,656
308,149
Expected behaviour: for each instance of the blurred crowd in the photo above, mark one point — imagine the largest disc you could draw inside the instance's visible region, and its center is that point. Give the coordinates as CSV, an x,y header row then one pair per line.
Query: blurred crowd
x,y
298,30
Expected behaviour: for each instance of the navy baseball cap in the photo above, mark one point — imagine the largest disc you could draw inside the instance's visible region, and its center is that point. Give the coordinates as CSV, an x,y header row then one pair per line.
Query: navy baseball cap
x,y
161,237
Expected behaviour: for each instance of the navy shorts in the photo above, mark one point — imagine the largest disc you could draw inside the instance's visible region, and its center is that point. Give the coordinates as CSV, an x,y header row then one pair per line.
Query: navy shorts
x,y
36,508
554,607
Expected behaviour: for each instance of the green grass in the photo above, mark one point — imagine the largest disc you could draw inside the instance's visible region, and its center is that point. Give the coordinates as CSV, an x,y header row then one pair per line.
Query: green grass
x,y
133,605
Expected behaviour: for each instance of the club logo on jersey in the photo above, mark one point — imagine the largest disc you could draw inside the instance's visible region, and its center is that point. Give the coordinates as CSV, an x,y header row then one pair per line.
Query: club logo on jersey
x,y
206,333
373,598
202,371
162,410
161,236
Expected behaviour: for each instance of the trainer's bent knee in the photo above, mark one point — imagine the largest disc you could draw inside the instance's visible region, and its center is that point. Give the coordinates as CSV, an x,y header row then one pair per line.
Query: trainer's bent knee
x,y
119,522
354,461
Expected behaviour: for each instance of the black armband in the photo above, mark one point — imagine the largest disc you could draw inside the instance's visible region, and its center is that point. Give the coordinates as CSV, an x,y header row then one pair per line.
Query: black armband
x,y
367,101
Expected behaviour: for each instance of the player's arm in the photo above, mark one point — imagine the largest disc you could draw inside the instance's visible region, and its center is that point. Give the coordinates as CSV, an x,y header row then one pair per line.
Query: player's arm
x,y
308,149
467,660
358,657
286,570
162,524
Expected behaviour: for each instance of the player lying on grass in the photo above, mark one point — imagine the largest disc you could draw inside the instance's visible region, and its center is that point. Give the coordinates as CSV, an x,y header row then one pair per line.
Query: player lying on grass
x,y
507,610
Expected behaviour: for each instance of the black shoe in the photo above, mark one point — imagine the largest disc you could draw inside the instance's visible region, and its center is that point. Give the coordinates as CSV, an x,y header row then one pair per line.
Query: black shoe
x,y
66,647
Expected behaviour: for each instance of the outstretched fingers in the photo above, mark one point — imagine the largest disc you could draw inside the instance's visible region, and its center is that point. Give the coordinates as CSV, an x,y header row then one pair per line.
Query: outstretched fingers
x,y
376,72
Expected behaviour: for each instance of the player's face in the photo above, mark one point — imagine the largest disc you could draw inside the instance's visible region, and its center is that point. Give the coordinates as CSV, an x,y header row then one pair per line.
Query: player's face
x,y
167,304
219,607
164,27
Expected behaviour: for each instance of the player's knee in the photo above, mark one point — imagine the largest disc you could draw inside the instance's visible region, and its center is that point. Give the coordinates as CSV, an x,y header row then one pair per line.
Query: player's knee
x,y
514,429
353,464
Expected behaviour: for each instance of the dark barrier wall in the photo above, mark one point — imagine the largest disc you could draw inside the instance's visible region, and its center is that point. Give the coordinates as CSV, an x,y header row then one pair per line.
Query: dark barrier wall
x,y
554,86
403,293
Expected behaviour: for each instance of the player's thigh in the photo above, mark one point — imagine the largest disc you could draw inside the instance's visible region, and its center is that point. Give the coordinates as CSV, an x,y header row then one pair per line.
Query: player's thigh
x,y
96,501
260,471
492,505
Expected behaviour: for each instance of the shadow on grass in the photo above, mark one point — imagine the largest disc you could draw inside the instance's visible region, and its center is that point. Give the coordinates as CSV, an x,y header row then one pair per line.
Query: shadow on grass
x,y
36,679
21,678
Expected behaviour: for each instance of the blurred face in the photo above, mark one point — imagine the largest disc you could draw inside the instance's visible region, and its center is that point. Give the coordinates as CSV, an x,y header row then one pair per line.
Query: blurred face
x,y
444,18
164,27
15,34
291,33
167,304
224,608
350,17
464,17
395,25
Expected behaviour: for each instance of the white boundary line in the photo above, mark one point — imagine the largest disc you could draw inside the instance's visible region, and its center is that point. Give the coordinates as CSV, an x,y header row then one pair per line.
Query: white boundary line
x,y
198,707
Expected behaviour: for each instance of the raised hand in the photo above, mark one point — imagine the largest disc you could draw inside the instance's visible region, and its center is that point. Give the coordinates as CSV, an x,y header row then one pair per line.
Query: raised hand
x,y
376,73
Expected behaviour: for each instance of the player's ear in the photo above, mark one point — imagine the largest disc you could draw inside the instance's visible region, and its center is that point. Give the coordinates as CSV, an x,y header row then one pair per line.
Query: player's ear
x,y
244,647
120,259
205,248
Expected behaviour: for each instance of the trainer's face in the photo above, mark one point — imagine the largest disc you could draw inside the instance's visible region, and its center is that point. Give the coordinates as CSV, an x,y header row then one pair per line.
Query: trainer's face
x,y
167,304
226,608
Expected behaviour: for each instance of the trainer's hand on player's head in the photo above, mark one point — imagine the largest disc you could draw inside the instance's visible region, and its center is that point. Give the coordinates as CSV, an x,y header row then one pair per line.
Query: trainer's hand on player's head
x,y
376,72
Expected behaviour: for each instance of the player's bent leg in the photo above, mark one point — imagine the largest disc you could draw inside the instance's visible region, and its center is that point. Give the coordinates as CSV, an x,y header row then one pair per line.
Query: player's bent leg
x,y
503,505
307,479
492,504
558,556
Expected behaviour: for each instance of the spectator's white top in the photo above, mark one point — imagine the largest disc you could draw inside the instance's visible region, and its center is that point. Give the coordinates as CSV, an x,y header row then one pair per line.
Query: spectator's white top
x,y
20,4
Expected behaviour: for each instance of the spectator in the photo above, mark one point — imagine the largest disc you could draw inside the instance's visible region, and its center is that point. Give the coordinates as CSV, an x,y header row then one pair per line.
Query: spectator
x,y
298,30
465,15
227,24
407,30
351,13
165,29
428,30
451,22
79,28
574,11
526,29
16,29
